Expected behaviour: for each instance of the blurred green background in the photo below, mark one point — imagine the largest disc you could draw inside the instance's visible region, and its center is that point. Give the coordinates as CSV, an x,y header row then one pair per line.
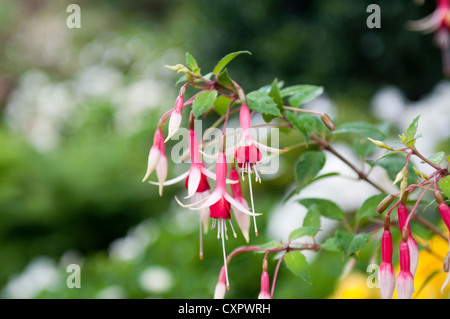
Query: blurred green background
x,y
78,109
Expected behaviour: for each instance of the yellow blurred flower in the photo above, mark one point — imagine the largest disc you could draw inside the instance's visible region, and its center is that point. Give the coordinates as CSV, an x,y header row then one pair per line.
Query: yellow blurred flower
x,y
354,286
431,260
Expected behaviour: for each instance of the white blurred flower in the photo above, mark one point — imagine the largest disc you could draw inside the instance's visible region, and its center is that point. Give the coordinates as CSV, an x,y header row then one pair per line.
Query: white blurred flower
x,y
156,279
112,292
41,274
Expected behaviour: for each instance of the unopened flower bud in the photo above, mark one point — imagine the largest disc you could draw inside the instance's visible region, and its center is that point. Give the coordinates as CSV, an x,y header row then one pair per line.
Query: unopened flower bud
x,y
326,119
155,154
386,274
384,204
444,210
221,287
405,280
175,118
380,144
264,293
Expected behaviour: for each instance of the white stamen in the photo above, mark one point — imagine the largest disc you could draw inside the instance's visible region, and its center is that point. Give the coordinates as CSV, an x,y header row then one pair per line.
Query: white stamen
x,y
257,177
232,228
251,199
224,255
201,237
219,229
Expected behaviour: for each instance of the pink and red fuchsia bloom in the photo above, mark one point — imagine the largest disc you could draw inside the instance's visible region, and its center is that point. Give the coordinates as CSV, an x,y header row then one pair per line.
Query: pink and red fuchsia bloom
x,y
405,280
156,152
412,245
444,211
264,292
386,274
219,203
242,219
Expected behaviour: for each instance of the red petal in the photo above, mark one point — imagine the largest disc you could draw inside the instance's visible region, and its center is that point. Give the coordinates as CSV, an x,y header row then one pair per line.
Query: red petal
x,y
203,186
247,154
221,209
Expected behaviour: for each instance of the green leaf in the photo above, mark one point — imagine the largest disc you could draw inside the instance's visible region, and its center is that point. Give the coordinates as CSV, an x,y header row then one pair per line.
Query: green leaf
x,y
358,242
267,88
261,102
437,158
331,245
221,104
412,130
300,94
444,185
312,217
305,123
325,176
203,102
349,242
224,78
364,129
192,63
227,59
308,167
344,239
297,263
368,208
363,147
326,207
274,93
303,231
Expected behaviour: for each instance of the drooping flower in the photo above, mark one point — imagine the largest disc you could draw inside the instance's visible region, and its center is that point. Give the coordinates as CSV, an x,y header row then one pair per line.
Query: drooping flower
x,y
248,153
438,22
444,211
221,288
196,183
386,274
161,167
155,153
412,245
405,280
175,117
219,203
242,219
264,292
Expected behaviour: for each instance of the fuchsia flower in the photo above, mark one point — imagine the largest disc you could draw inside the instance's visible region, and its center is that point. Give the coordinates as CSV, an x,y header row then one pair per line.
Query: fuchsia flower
x,y
219,203
221,288
242,219
264,292
195,178
386,274
247,153
157,154
444,210
412,245
175,117
438,22
405,280
196,182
